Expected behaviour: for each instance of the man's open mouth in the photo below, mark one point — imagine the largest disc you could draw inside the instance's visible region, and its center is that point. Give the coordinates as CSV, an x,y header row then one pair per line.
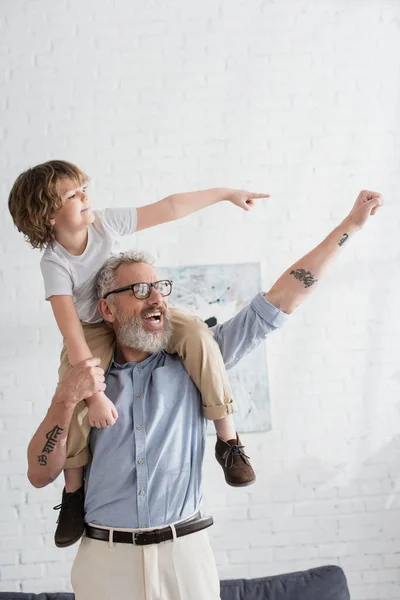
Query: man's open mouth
x,y
154,316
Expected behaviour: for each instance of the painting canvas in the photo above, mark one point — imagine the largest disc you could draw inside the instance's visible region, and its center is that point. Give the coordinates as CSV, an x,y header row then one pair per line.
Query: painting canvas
x,y
216,293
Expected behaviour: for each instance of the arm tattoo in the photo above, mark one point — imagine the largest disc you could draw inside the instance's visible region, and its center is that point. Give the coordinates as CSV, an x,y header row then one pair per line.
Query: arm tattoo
x,y
305,276
343,239
50,444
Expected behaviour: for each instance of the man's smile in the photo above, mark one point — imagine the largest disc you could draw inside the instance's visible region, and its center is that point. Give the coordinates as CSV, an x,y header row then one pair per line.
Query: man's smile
x,y
153,319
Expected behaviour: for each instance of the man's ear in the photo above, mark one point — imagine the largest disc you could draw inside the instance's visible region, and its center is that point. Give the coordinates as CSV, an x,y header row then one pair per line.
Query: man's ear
x,y
106,310
52,222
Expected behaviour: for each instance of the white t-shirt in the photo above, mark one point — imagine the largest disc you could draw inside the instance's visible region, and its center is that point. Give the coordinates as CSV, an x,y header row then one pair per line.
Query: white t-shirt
x,y
68,275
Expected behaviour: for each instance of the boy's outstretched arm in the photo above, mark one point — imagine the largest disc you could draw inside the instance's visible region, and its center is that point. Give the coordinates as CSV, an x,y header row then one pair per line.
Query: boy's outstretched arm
x,y
178,206
293,287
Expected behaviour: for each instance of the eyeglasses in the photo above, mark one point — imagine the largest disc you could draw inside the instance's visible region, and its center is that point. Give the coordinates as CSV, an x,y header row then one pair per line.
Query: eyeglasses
x,y
142,290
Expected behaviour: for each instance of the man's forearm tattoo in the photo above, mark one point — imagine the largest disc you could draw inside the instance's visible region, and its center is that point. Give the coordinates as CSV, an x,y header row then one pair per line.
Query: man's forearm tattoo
x,y
305,276
50,444
343,239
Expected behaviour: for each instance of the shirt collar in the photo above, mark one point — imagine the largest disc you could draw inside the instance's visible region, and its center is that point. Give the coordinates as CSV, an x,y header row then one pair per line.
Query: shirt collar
x,y
127,365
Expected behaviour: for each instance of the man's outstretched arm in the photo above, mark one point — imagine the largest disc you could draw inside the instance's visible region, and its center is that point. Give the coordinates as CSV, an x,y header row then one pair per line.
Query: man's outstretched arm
x,y
47,451
268,312
296,284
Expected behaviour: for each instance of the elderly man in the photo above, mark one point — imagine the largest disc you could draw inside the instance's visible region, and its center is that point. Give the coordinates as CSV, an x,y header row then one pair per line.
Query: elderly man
x,y
145,538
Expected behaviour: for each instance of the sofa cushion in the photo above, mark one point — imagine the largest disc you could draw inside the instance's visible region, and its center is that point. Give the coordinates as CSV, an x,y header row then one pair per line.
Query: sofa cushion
x,y
44,596
321,583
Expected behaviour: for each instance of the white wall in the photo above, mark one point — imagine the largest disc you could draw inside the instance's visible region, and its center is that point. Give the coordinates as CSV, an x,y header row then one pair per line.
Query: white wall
x,y
298,98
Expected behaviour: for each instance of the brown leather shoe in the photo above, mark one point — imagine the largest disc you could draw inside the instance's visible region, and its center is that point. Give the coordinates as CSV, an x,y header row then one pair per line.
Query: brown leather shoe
x,y
234,462
70,522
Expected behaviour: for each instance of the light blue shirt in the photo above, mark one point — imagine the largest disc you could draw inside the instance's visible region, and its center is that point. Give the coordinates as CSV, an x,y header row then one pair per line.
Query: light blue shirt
x,y
146,469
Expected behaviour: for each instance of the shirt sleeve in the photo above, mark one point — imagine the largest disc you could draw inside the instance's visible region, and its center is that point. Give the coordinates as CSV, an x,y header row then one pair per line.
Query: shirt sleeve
x,y
243,332
120,221
57,280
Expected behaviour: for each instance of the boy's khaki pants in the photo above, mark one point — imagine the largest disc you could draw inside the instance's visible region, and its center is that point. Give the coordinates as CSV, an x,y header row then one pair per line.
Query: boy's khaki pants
x,y
191,340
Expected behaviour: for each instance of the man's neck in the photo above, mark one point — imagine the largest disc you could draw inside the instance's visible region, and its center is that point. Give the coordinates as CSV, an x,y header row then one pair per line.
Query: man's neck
x,y
74,242
123,354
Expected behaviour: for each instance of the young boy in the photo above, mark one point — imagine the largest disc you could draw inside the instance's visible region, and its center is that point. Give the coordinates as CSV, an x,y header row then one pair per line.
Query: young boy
x,y
50,206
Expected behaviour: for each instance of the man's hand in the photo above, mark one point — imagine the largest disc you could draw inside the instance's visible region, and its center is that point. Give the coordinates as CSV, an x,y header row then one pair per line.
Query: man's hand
x,y
295,285
243,199
80,382
367,204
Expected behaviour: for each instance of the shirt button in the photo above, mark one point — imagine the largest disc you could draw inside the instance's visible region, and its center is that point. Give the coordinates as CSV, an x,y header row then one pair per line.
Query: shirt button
x,y
138,427
143,527
141,492
140,461
137,395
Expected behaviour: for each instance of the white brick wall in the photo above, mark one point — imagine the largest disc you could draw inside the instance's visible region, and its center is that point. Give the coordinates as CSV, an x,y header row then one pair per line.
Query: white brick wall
x,y
299,98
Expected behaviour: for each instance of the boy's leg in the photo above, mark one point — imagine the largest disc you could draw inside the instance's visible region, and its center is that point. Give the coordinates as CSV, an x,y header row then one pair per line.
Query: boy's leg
x,y
194,343
100,339
73,479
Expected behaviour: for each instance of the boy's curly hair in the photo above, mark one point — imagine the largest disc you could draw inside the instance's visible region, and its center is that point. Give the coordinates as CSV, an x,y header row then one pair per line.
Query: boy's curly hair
x,y
34,201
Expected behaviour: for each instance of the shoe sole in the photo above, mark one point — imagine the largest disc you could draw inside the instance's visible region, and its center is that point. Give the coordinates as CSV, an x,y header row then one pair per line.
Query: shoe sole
x,y
65,545
246,484
241,484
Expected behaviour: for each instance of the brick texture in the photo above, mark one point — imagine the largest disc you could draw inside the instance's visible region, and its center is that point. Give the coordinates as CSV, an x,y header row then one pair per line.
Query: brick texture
x,y
296,98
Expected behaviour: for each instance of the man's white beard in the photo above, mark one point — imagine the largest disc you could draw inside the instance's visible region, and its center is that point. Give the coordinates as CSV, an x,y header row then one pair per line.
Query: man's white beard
x,y
131,334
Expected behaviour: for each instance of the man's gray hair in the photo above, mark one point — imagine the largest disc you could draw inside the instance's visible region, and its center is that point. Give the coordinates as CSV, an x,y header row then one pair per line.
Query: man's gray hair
x,y
106,280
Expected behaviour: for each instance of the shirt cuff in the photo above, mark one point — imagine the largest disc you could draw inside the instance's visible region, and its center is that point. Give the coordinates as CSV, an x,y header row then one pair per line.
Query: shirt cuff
x,y
267,311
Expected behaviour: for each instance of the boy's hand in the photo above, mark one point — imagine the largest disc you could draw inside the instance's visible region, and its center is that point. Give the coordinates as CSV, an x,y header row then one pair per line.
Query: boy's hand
x,y
367,204
243,199
101,411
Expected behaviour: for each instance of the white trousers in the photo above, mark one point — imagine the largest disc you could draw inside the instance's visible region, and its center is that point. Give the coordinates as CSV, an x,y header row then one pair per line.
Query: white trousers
x,y
180,569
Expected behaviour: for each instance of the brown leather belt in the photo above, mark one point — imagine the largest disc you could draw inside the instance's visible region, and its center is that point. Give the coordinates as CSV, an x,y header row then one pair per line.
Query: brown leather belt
x,y
155,536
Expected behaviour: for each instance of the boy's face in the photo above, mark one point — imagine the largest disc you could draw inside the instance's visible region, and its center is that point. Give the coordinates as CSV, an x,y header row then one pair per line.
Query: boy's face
x,y
75,213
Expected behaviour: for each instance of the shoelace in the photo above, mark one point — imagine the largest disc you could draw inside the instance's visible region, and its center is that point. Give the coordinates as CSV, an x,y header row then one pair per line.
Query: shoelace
x,y
63,504
232,452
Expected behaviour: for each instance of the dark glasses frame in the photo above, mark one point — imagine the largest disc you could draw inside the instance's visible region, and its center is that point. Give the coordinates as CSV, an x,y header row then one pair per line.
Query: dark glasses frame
x,y
149,285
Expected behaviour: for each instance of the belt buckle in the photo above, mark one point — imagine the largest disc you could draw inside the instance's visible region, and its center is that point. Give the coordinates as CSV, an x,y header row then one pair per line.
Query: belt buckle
x,y
134,536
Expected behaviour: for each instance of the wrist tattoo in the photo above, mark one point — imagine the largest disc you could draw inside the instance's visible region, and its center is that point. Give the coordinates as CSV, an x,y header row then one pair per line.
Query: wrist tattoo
x,y
343,239
42,460
49,446
305,276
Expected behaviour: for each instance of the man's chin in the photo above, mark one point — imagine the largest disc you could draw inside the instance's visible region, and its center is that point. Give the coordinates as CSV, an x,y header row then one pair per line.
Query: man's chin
x,y
144,335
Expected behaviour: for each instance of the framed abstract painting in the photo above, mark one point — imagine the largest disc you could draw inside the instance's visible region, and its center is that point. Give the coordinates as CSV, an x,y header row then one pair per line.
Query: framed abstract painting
x,y
216,293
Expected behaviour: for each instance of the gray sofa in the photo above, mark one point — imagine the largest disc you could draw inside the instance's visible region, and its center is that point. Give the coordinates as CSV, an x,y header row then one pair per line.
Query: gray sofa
x,y
321,583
